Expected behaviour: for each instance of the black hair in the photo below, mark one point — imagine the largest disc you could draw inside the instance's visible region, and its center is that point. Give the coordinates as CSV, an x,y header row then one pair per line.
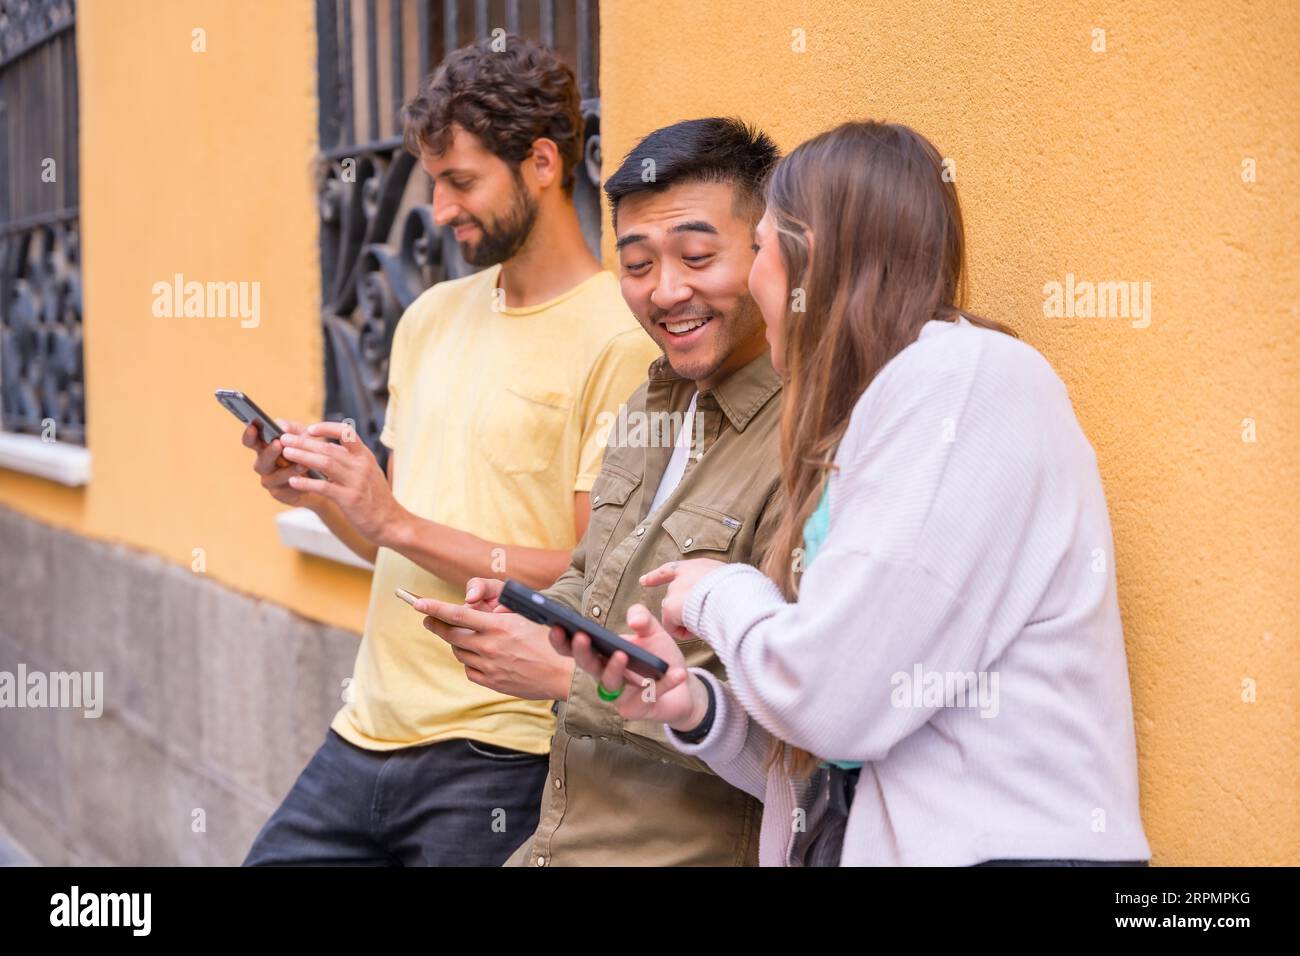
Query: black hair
x,y
716,149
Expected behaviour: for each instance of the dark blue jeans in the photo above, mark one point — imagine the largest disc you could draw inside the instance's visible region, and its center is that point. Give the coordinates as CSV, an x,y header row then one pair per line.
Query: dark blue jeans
x,y
451,803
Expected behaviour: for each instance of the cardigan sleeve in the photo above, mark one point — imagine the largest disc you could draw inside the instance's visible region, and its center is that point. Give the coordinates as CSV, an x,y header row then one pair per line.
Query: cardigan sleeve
x,y
930,512
735,746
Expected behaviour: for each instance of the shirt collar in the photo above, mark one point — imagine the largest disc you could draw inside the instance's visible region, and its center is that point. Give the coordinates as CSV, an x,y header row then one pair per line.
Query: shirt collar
x,y
740,395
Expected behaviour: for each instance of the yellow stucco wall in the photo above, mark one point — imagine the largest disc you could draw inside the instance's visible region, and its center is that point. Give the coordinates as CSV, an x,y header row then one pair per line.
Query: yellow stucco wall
x,y
1122,165
197,163
1116,166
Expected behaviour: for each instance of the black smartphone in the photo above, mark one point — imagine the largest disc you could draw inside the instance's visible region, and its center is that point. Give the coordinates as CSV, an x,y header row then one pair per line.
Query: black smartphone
x,y
246,410
528,603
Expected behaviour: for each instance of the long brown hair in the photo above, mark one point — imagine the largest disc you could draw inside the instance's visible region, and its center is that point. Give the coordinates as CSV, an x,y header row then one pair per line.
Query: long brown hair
x,y
887,255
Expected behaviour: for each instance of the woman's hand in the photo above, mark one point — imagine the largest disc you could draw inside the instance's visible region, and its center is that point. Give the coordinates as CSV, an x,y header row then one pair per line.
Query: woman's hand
x,y
678,698
680,576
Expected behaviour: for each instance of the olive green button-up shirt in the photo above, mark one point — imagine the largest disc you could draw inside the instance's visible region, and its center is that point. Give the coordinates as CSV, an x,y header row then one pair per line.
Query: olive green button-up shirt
x,y
618,793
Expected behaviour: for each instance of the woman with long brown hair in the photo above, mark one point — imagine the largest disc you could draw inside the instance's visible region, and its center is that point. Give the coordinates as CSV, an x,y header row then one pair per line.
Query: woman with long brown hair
x,y
930,667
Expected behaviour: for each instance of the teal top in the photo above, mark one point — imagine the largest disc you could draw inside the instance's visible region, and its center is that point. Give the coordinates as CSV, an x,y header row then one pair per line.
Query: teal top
x,y
817,527
815,530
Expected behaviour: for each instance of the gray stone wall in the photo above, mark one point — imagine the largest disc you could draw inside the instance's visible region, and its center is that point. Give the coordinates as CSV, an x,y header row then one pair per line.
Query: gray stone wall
x,y
213,701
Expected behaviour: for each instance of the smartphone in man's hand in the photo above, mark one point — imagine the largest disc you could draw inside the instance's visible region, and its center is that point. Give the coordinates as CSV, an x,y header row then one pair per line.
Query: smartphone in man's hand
x,y
248,412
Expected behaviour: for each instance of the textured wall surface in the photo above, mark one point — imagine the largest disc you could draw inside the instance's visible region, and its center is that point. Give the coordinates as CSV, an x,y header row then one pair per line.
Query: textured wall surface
x,y
1117,165
198,164
1123,165
212,703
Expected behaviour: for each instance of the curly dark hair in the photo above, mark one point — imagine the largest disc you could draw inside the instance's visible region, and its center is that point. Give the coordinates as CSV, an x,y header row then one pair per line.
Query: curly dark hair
x,y
507,97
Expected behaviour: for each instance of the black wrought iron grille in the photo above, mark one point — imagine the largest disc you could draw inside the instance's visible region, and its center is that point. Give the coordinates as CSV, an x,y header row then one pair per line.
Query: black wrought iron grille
x,y
41,373
379,246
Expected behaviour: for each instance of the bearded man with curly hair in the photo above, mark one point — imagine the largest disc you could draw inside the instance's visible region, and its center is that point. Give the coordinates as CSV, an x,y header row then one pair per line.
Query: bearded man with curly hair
x,y
501,385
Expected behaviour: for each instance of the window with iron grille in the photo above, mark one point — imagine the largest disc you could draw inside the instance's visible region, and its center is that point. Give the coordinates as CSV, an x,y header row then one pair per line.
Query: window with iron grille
x,y
379,245
41,376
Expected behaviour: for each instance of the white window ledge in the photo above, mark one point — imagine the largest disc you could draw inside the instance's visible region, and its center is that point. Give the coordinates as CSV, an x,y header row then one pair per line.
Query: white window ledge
x,y
58,461
302,529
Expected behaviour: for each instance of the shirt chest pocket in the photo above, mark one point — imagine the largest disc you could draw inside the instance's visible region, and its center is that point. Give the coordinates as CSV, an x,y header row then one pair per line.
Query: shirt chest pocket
x,y
697,530
519,429
609,497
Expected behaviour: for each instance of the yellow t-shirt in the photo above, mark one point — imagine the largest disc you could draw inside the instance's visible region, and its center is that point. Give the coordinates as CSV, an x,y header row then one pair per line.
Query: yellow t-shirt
x,y
495,418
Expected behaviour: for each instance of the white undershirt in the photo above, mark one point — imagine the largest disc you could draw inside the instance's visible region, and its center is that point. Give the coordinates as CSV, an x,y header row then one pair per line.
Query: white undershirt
x,y
677,463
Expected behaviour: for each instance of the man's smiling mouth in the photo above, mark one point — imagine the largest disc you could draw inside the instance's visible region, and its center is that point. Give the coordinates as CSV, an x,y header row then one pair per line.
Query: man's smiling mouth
x,y
684,326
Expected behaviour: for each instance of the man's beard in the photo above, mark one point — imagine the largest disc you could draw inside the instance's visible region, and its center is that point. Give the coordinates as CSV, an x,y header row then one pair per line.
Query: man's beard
x,y
507,234
735,327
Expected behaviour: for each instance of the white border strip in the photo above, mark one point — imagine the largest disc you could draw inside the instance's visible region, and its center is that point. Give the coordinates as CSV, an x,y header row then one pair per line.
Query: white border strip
x,y
302,529
58,461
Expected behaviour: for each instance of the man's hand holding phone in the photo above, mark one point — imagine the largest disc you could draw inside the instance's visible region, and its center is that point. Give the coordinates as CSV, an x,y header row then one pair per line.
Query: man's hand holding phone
x,y
484,594
677,699
497,648
275,469
352,478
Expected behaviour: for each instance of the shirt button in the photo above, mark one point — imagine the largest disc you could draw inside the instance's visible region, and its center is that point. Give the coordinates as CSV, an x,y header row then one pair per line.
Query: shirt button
x,y
596,500
688,542
557,783
541,861
639,532
595,611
